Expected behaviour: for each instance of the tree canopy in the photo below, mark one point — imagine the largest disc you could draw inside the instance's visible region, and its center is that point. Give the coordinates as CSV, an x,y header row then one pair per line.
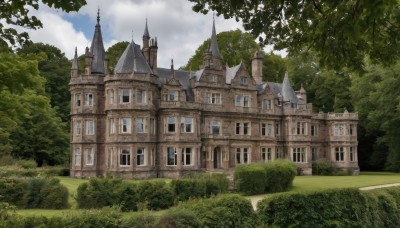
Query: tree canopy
x,y
16,13
341,33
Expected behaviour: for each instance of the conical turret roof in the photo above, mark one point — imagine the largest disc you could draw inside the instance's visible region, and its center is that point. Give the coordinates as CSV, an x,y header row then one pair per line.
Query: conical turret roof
x,y
214,44
146,31
97,49
132,60
288,93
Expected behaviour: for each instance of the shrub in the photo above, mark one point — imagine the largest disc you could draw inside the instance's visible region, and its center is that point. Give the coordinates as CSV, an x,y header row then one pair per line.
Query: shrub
x,y
12,191
279,175
27,164
158,194
323,167
53,195
215,183
142,219
16,171
178,218
250,179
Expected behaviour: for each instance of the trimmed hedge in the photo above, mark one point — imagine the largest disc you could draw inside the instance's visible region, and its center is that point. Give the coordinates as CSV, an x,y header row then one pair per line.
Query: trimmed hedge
x,y
47,171
46,193
332,208
258,178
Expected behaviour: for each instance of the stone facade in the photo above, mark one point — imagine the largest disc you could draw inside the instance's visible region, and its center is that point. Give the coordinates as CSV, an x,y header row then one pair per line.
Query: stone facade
x,y
142,121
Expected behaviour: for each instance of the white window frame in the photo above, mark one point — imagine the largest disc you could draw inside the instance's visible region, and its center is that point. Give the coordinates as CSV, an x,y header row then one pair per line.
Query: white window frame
x,y
141,94
89,99
172,157
78,156
266,104
187,156
214,98
126,125
301,128
352,154
212,78
171,122
140,125
266,154
78,127
242,101
172,95
125,157
112,126
243,80
314,130
141,156
89,127
299,155
215,124
278,153
89,156
78,100
243,155
125,93
339,154
266,129
277,128
338,130
186,125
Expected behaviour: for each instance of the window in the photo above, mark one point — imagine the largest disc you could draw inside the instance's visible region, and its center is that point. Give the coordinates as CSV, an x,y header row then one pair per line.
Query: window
x,y
126,95
215,127
339,154
78,100
140,96
277,128
89,156
89,99
187,156
78,127
246,128
152,126
173,95
314,153
126,125
299,155
352,154
242,155
214,98
243,81
171,156
139,125
266,154
213,78
140,155
266,104
112,126
186,124
242,101
314,130
266,129
300,128
278,153
351,129
171,124
111,94
89,127
77,156
238,128
338,129
125,157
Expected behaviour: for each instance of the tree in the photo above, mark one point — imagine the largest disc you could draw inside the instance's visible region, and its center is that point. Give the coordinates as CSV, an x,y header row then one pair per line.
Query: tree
x,y
114,53
274,68
16,13
234,46
56,70
341,33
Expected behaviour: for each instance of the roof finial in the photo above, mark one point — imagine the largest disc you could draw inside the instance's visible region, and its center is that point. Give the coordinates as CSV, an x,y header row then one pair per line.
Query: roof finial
x,y
98,15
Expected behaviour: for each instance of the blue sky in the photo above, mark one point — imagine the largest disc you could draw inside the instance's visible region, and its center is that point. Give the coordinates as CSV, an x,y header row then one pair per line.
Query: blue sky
x,y
179,30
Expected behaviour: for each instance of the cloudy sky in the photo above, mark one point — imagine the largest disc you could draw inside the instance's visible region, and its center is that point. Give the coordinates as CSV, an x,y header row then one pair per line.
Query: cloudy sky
x,y
178,29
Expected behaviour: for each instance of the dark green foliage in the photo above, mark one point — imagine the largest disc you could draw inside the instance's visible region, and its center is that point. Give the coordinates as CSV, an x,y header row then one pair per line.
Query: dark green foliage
x,y
323,167
276,176
215,183
250,179
45,193
142,219
332,208
157,194
222,211
178,218
98,193
15,171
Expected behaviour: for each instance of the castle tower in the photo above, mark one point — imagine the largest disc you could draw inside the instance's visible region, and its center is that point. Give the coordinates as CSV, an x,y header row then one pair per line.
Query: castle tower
x,y
87,110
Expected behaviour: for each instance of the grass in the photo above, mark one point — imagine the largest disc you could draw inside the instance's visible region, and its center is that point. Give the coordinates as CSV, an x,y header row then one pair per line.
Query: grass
x,y
300,184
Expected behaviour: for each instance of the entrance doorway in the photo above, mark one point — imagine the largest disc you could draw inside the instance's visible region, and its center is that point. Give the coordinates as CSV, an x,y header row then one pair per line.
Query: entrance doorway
x,y
217,158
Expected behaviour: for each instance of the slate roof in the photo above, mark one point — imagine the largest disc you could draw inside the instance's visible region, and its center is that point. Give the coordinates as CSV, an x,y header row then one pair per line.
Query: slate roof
x,y
97,49
132,60
231,73
214,45
287,91
182,76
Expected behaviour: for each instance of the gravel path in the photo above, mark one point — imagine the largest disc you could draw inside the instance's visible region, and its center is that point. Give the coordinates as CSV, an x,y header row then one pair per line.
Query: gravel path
x,y
256,199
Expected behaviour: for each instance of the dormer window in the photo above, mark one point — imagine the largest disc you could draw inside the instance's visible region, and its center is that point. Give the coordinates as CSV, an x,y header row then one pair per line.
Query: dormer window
x,y
213,78
173,95
243,81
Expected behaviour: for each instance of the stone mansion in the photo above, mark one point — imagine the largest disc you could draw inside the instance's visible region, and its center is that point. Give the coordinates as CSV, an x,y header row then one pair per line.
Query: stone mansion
x,y
142,121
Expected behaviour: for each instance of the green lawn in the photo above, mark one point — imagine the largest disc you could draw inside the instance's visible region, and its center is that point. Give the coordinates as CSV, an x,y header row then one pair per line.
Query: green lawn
x,y
300,184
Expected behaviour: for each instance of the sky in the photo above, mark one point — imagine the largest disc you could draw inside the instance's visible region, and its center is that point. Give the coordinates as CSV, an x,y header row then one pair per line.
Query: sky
x,y
179,30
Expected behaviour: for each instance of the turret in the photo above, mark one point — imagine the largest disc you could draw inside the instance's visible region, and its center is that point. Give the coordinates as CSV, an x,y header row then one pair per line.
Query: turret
x,y
88,61
97,49
146,40
74,67
153,54
212,58
256,66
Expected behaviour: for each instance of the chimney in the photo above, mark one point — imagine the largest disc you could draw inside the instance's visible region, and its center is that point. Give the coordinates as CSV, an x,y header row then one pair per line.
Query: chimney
x,y
256,67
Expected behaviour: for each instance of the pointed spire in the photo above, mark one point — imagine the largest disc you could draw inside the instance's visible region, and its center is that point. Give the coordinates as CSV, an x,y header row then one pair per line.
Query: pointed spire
x,y
214,45
97,48
172,69
75,60
146,31
288,93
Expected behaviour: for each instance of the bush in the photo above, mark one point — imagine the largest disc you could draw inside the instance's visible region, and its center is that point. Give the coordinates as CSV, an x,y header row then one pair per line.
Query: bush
x,y
323,167
250,179
332,208
16,171
215,183
142,219
276,176
53,195
157,194
222,211
13,191
178,218
27,164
